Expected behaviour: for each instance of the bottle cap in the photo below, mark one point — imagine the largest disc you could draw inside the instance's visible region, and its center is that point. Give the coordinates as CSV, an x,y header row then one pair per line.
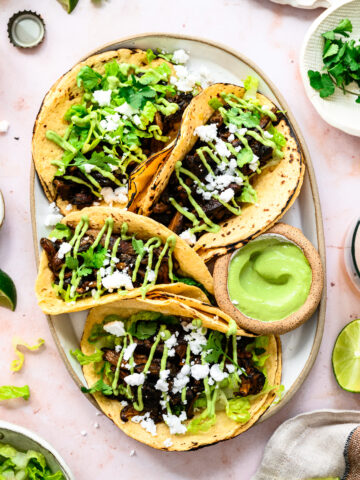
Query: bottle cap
x,y
26,29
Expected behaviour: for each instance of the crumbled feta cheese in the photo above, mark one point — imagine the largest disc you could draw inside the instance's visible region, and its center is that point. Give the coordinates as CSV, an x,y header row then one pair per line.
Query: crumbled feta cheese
x,y
126,109
54,216
171,342
162,384
235,302
242,131
124,403
135,379
188,236
151,276
264,108
129,350
217,374
227,195
174,423
221,148
111,123
118,195
63,250
69,207
116,328
96,425
117,280
132,453
167,443
136,120
231,138
230,367
102,97
186,81
211,381
196,340
232,128
181,379
180,56
171,352
4,126
83,433
146,423
118,348
199,371
253,165
267,134
206,133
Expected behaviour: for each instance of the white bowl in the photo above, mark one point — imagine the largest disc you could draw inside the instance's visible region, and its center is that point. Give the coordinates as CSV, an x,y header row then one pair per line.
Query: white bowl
x,y
23,439
306,3
338,110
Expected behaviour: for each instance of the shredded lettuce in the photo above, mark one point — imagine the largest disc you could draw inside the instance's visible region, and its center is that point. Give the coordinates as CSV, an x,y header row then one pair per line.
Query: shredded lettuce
x,y
8,392
251,85
278,137
238,409
21,466
86,359
17,364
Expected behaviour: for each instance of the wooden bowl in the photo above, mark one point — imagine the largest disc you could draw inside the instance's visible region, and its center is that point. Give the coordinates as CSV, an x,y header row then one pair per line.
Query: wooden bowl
x,y
294,320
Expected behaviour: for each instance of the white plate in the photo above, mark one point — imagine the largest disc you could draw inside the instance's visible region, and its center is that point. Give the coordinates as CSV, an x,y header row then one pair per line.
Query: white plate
x,y
23,439
306,3
338,110
300,346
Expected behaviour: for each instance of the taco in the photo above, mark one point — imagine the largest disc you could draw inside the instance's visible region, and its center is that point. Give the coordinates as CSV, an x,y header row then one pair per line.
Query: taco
x,y
94,256
234,171
102,119
174,377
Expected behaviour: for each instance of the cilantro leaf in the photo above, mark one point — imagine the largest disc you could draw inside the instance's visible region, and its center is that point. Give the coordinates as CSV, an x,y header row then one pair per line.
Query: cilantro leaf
x,y
214,344
99,386
322,83
72,263
138,246
94,259
143,329
88,78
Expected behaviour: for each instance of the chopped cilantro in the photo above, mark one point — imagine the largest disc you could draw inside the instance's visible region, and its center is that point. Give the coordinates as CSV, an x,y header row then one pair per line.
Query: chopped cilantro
x,y
341,63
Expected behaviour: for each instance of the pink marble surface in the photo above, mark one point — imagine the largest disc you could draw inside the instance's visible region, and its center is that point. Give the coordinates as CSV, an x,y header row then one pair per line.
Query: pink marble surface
x,y
269,34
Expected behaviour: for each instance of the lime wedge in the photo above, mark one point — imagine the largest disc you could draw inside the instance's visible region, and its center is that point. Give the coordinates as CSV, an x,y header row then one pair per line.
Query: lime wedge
x,y
346,357
69,5
7,291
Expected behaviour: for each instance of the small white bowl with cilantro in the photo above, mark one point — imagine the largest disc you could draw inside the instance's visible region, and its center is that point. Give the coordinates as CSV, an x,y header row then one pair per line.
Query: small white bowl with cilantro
x,y
330,66
24,455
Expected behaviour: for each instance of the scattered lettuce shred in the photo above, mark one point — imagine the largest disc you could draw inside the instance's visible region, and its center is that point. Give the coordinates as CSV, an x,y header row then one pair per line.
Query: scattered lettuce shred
x,y
86,359
8,392
18,363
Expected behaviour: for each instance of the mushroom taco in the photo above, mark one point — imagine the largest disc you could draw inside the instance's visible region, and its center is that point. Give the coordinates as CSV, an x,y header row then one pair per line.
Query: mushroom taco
x,y
174,377
94,256
103,118
235,169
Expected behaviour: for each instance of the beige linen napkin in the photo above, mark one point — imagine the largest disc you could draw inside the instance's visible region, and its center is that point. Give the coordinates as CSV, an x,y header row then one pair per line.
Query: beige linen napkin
x,y
314,445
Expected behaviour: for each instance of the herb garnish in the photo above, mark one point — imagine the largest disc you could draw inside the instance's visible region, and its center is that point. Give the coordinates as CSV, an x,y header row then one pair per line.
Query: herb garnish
x,y
341,60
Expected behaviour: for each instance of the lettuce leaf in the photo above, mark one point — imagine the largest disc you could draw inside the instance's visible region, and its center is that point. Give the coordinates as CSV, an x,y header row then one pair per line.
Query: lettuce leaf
x,y
99,386
61,231
17,364
8,392
29,465
251,85
238,409
86,359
